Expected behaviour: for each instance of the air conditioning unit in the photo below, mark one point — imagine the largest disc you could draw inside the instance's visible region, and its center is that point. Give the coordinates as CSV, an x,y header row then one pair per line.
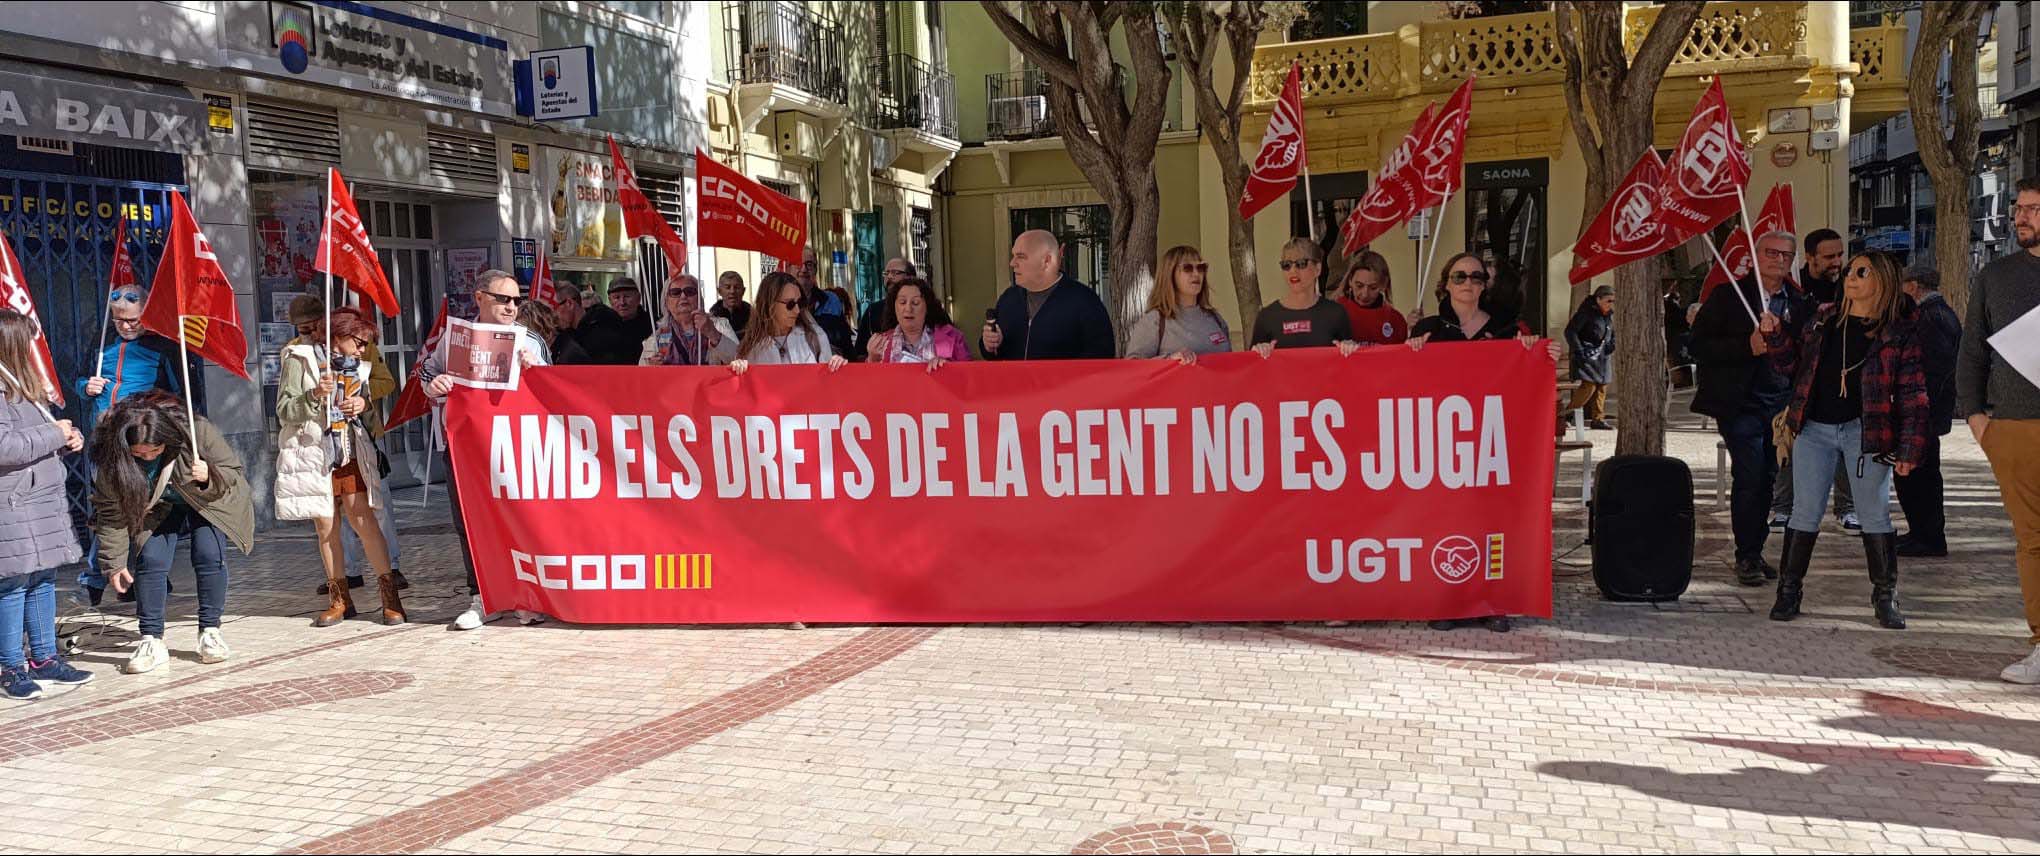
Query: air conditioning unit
x,y
798,135
1021,115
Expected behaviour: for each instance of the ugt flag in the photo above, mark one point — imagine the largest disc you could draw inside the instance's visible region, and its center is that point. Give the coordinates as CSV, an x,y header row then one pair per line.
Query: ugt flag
x,y
1441,157
740,214
191,298
344,250
1627,228
1280,160
1395,195
14,295
542,288
640,218
1706,173
1776,216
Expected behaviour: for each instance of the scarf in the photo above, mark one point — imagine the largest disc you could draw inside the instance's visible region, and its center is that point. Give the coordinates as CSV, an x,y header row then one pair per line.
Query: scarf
x,y
680,347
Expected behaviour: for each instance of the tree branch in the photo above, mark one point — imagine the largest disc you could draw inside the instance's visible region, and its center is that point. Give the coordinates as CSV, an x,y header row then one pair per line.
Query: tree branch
x,y
1674,24
1052,58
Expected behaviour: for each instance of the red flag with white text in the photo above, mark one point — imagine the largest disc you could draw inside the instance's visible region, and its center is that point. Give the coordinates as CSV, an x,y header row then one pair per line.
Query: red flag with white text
x,y
640,218
412,401
191,297
1276,167
542,288
345,251
1627,228
1706,173
740,214
1440,161
123,273
1775,216
14,295
1394,196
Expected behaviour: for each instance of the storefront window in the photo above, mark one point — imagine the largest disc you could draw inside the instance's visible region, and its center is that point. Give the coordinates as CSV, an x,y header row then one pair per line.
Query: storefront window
x,y
288,210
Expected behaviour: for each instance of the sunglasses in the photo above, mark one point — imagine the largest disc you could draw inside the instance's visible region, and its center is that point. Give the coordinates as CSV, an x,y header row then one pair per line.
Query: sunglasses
x,y
688,291
1861,272
503,299
1299,264
1460,276
1200,267
125,297
1780,255
791,305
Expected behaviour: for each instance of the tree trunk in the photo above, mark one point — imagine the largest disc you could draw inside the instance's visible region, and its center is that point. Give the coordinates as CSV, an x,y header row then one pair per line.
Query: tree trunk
x,y
1948,30
1134,234
1239,235
1640,359
1198,29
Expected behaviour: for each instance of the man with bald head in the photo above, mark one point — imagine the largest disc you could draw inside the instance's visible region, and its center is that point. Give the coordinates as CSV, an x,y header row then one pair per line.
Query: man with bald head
x,y
1046,315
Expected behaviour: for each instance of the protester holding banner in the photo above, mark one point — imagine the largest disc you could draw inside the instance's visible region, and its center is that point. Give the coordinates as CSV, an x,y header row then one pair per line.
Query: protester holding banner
x,y
496,302
1940,331
1859,393
1821,277
1363,291
875,318
1743,393
560,347
1045,314
783,332
35,519
326,462
152,490
1591,335
1463,311
308,313
1180,321
922,331
729,288
1302,318
689,336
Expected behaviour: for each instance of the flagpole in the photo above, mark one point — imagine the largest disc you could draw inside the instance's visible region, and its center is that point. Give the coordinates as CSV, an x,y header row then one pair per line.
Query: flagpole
x,y
1749,230
327,252
184,361
1732,278
1433,257
1309,205
106,314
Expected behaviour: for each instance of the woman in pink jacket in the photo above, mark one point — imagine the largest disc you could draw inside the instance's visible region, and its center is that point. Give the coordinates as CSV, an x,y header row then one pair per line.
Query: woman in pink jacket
x,y
920,330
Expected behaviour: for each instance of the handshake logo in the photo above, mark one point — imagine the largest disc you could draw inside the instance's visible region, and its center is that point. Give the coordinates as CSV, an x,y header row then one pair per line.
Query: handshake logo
x,y
1454,559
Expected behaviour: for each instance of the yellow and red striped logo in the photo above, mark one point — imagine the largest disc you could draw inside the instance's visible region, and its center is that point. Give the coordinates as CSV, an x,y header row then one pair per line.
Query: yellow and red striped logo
x,y
683,571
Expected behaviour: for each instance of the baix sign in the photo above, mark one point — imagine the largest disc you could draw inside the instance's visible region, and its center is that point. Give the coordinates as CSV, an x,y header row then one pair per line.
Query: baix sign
x,y
132,115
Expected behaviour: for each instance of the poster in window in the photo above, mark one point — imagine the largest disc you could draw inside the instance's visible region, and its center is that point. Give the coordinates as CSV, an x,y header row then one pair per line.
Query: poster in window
x,y
587,222
463,265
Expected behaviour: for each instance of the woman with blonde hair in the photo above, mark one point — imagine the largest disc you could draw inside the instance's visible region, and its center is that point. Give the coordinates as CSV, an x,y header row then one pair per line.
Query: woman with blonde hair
x,y
1179,321
1363,291
1302,317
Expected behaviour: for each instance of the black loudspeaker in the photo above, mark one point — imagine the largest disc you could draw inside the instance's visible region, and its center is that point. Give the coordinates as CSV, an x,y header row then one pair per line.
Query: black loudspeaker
x,y
1641,526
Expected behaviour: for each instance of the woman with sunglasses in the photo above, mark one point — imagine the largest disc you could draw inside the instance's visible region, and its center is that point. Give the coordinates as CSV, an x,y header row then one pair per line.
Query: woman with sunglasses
x,y
1179,322
35,518
1859,393
1364,293
1302,318
782,330
689,336
921,332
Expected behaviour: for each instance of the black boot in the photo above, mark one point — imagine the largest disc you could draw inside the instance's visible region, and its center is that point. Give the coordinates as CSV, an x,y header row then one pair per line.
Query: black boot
x,y
1881,549
1792,564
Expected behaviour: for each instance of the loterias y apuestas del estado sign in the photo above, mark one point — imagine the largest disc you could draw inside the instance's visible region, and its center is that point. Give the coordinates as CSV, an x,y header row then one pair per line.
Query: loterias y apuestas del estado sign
x,y
446,60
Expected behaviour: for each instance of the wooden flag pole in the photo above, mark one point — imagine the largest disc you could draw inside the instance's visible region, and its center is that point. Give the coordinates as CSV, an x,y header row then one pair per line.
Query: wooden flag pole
x,y
184,361
1309,205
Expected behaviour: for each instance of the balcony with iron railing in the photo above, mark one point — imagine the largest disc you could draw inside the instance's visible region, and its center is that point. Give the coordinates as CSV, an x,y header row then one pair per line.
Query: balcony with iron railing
x,y
1016,106
786,44
909,93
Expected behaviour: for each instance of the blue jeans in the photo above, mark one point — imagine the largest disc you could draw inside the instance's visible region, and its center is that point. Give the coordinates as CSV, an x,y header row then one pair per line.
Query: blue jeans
x,y
28,602
1753,464
208,562
1813,457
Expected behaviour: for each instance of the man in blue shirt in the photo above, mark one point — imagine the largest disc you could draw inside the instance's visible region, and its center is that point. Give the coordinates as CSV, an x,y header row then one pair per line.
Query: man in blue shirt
x,y
135,362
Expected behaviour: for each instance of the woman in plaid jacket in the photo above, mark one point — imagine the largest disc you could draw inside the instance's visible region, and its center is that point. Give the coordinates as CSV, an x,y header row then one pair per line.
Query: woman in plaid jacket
x,y
1860,394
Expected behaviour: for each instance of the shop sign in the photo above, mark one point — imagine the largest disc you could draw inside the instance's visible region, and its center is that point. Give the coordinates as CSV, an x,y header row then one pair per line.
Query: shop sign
x,y
369,48
219,113
587,222
520,158
557,84
87,108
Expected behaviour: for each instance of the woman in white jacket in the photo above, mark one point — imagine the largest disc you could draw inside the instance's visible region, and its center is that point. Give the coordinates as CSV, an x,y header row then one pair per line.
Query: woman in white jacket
x,y
688,336
325,457
783,330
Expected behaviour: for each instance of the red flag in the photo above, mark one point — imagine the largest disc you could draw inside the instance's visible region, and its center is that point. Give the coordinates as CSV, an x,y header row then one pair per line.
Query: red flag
x,y
1393,198
412,401
345,252
123,273
1281,157
741,214
1441,156
1776,216
14,295
640,218
192,298
542,288
1706,173
1627,228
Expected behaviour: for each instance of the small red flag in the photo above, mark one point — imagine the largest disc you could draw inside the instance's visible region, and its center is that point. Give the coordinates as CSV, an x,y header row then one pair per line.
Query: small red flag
x,y
191,297
344,249
741,214
14,295
542,288
1706,173
1441,158
123,273
640,218
1280,161
412,401
1627,228
1776,216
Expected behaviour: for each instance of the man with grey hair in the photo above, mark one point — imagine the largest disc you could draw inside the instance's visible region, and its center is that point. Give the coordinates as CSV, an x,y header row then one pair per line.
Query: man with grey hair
x,y
1044,314
1919,492
1742,393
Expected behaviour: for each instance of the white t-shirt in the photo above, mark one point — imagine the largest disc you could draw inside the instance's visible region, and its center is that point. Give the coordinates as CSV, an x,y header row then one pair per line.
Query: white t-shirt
x,y
791,349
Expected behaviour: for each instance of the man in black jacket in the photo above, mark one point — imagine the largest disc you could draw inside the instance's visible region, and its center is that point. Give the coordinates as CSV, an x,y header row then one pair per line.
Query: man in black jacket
x,y
1821,278
615,337
1740,391
1920,493
1045,315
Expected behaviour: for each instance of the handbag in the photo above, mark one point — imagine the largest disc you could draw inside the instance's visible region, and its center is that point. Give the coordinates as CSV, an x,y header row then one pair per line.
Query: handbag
x,y
1782,434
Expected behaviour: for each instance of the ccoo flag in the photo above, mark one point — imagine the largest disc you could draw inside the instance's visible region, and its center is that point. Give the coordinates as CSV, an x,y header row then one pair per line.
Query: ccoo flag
x,y
344,250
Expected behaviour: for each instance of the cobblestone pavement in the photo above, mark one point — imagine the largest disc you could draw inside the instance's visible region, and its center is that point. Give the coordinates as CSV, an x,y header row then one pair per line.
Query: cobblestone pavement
x,y
1699,726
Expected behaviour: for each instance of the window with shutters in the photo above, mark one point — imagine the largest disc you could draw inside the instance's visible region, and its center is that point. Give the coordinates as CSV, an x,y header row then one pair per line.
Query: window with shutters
x,y
293,135
768,264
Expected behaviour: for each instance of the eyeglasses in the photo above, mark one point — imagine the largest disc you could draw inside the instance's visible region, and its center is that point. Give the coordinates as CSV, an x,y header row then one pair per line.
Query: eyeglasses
x,y
503,299
125,297
2028,210
1201,267
1861,272
137,322
791,305
1779,255
1299,264
686,291
895,273
1460,276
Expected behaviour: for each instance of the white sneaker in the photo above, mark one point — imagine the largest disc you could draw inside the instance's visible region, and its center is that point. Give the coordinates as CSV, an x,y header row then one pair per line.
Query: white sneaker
x,y
212,647
2025,671
472,618
527,617
149,655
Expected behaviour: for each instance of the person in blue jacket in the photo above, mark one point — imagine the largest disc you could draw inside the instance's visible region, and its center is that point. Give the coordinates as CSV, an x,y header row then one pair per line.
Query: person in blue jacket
x,y
1044,314
135,362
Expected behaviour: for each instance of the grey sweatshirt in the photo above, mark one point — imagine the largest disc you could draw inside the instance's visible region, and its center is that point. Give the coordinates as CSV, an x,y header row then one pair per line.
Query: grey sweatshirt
x,y
2003,292
1193,330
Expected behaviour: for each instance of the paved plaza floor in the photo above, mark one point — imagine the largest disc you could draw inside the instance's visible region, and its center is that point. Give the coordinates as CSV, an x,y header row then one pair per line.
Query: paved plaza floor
x,y
1696,726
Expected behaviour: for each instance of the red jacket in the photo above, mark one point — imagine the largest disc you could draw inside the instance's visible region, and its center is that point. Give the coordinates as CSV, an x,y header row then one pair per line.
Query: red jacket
x,y
1895,405
1382,325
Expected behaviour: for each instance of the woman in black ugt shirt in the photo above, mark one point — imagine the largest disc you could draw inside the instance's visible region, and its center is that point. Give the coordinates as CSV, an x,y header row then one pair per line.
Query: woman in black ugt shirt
x,y
1302,318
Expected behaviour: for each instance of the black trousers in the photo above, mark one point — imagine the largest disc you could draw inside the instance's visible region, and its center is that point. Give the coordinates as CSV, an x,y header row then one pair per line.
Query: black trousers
x,y
1919,494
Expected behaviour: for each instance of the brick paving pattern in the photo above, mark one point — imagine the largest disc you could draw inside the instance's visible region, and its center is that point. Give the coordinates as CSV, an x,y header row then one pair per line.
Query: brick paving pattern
x,y
1699,726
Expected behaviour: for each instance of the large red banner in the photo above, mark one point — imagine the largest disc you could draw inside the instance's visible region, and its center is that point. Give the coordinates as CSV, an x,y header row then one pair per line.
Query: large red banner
x,y
1387,485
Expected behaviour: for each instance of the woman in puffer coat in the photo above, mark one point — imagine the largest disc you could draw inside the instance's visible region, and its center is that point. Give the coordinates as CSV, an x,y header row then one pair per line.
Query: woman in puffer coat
x,y
35,521
325,458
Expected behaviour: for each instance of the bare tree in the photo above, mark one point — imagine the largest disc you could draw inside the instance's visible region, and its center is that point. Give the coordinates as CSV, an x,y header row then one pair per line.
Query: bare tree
x,y
1112,140
1948,140
1199,28
1610,96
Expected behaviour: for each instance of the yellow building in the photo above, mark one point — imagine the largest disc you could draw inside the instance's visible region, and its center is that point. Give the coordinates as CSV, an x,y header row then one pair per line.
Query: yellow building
x,y
1797,78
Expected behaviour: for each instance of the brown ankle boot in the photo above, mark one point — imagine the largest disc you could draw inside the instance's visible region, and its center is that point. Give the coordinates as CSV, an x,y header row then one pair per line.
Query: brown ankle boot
x,y
392,605
340,606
